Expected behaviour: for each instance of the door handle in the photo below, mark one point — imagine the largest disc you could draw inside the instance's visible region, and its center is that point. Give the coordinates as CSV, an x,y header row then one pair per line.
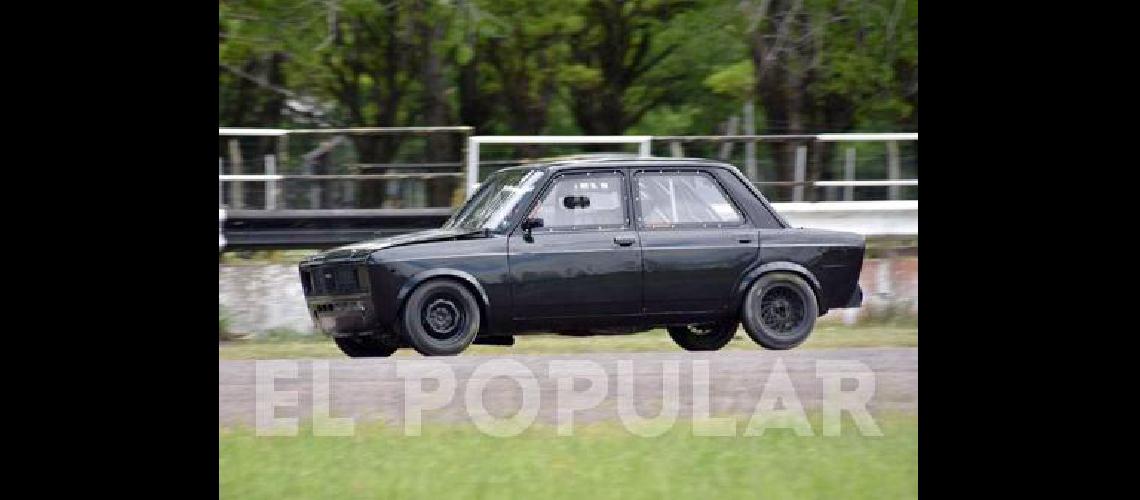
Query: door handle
x,y
744,238
625,241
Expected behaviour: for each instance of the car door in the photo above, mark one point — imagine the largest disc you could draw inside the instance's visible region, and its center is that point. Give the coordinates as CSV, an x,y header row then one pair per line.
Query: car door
x,y
695,240
584,263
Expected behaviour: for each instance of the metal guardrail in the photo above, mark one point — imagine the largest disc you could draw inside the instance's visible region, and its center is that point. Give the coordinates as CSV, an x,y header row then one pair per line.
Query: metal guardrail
x,y
261,229
278,229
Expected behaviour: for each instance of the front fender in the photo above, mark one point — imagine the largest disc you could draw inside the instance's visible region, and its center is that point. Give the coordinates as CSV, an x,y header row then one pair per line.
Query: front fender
x,y
785,266
420,277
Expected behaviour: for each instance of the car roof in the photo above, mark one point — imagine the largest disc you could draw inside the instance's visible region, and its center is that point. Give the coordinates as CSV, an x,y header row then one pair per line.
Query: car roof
x,y
615,160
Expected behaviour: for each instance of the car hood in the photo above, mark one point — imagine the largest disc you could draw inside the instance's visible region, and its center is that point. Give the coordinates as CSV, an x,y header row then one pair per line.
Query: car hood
x,y
368,246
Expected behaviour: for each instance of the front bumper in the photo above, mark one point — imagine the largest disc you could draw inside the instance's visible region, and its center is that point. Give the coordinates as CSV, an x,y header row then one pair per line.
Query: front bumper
x,y
338,294
342,315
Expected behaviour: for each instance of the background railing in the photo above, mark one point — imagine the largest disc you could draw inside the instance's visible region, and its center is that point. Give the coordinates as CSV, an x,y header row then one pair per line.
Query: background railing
x,y
805,162
321,187
277,169
328,173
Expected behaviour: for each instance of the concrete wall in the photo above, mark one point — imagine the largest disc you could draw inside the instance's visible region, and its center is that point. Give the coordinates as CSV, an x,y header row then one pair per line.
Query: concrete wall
x,y
259,298
870,218
887,284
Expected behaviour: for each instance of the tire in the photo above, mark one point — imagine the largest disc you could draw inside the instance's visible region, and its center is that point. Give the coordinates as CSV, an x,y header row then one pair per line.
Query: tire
x,y
709,337
364,347
779,311
440,318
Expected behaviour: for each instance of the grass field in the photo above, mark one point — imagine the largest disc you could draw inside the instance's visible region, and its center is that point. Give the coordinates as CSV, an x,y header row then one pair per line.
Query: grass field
x,y
824,336
599,461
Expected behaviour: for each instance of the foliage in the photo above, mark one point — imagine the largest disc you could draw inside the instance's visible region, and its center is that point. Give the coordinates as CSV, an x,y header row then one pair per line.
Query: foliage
x,y
736,80
225,329
567,67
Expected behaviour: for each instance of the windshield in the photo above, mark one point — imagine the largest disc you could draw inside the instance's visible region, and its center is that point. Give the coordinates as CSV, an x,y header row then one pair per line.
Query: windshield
x,y
493,204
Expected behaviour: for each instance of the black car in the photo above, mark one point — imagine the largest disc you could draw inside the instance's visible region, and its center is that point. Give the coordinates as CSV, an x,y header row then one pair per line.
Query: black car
x,y
585,247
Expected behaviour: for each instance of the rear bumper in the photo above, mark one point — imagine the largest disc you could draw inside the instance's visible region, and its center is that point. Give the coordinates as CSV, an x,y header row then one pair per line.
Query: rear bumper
x,y
855,300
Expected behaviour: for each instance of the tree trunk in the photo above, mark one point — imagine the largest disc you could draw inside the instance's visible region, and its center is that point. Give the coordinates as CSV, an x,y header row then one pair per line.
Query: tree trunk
x,y
474,105
440,147
245,94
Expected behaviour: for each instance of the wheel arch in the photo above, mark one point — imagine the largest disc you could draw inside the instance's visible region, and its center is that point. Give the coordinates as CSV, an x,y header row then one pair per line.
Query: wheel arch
x,y
466,279
780,266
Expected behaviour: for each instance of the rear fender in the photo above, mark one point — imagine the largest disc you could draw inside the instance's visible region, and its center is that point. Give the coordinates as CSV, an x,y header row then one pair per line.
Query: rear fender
x,y
755,273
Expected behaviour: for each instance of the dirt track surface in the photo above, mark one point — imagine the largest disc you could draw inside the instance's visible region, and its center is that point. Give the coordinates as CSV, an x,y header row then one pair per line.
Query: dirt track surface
x,y
372,389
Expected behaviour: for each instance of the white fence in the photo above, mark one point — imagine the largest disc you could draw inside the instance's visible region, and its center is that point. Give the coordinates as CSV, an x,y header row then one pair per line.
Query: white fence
x,y
473,143
891,217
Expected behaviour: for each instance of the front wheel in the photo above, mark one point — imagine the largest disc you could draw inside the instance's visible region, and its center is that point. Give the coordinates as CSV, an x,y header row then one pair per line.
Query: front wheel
x,y
364,347
440,318
780,311
707,337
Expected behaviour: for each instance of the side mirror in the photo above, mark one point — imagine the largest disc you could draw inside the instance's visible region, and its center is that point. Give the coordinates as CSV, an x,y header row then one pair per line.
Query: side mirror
x,y
572,202
532,223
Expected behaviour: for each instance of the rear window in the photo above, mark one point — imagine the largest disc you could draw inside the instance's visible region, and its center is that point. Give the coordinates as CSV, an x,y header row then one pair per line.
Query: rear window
x,y
683,199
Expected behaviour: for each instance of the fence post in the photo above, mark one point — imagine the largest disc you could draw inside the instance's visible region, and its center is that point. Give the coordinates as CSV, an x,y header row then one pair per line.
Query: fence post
x,y
348,194
221,185
849,174
472,165
750,146
221,229
270,184
457,194
283,166
237,201
801,172
314,186
729,130
893,168
675,149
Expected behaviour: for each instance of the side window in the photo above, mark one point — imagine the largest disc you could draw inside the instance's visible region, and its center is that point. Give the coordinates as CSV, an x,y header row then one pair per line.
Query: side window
x,y
683,199
583,201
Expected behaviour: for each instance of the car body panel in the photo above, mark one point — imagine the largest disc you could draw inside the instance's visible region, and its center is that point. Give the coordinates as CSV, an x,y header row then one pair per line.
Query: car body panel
x,y
677,260
574,275
585,280
480,262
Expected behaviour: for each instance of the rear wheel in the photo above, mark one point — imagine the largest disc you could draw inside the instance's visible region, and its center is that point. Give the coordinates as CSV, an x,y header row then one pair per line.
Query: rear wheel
x,y
364,347
440,318
780,311
704,337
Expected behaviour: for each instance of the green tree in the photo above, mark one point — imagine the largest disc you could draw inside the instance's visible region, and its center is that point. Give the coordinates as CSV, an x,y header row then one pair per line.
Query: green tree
x,y
524,45
827,65
573,66
616,53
